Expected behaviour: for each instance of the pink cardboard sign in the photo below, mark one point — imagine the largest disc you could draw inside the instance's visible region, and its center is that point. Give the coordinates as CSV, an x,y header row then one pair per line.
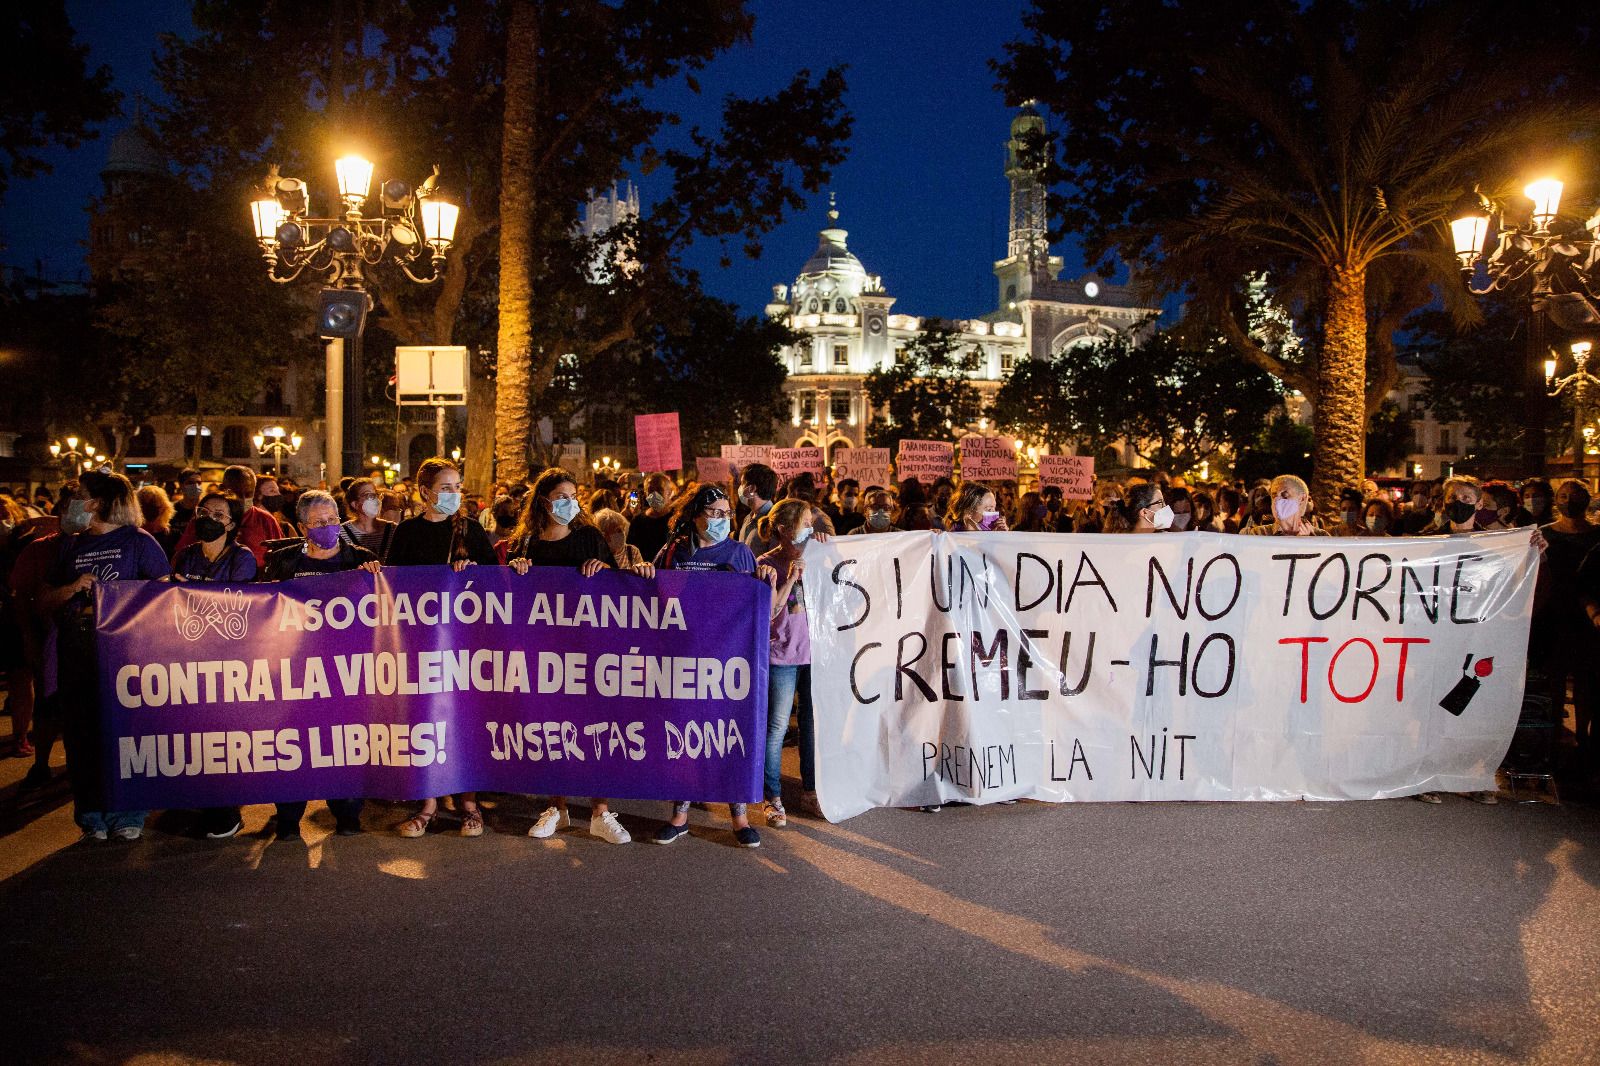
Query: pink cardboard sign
x,y
870,466
791,461
1073,473
713,470
742,455
656,436
925,460
988,459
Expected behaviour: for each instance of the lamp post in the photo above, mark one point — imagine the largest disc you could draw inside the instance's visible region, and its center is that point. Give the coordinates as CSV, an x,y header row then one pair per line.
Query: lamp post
x,y
278,442
66,452
1581,381
411,225
1555,258
606,466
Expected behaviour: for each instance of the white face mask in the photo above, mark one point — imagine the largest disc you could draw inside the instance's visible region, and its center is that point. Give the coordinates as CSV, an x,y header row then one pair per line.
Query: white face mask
x,y
1180,521
1285,510
1162,519
371,506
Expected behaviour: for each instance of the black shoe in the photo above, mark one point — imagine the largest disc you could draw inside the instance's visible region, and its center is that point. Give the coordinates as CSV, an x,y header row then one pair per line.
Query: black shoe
x,y
348,827
669,833
747,837
930,808
289,832
222,830
36,778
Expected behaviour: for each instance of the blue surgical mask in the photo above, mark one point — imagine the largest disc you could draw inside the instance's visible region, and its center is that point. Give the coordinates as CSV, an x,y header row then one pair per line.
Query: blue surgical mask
x,y
802,535
447,502
77,518
717,529
564,510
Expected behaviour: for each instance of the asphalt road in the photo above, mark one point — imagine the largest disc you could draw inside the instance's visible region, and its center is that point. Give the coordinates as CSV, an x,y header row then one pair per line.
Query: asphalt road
x,y
1385,932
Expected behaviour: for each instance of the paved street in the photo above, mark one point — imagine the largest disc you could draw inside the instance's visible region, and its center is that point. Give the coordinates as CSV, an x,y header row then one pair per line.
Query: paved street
x,y
1164,933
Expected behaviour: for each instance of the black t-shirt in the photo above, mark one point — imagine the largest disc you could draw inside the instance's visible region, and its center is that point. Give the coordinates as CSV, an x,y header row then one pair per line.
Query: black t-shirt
x,y
292,562
845,521
649,534
1556,595
419,542
573,550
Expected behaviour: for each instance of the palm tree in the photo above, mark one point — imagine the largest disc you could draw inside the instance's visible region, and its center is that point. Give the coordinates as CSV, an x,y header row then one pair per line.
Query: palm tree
x,y
513,419
1326,143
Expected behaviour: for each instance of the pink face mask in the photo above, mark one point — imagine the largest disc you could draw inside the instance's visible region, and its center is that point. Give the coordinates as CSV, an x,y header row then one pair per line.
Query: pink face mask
x,y
989,519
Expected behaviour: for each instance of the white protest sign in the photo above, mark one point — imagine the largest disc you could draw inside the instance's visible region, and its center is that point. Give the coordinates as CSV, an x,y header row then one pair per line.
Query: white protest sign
x,y
1073,474
870,466
925,460
988,458
995,666
791,461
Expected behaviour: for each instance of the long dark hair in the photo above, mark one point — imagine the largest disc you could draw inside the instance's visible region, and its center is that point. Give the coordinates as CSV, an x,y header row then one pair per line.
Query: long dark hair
x,y
535,516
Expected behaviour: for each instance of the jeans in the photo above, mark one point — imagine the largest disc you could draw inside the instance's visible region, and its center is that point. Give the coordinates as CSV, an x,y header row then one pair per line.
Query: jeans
x,y
783,684
108,821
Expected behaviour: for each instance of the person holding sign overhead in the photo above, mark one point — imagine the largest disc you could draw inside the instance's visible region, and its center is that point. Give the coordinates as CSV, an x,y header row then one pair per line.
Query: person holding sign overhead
x,y
553,531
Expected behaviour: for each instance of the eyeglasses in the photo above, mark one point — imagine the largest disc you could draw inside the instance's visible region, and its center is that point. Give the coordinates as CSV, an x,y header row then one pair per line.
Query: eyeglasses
x,y
720,512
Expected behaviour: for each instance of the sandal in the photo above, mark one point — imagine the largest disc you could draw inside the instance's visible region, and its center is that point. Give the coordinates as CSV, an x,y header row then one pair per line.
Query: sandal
x,y
472,821
416,825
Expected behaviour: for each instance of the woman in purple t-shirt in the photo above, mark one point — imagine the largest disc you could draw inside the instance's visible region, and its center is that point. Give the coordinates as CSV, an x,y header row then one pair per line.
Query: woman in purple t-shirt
x,y
788,526
101,541
700,541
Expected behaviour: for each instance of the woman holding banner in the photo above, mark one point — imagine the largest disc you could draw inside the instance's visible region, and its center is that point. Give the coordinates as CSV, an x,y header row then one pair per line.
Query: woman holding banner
x,y
701,541
441,535
217,555
110,547
553,531
789,669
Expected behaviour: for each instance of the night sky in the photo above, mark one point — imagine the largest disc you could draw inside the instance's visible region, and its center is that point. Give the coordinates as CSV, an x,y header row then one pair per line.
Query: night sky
x,y
922,192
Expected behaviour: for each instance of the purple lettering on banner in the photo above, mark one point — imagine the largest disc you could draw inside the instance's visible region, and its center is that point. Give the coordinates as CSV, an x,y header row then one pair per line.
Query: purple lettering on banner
x,y
423,682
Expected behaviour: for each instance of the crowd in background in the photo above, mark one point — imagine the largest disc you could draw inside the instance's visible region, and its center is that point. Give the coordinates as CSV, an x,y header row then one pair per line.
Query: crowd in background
x,y
247,526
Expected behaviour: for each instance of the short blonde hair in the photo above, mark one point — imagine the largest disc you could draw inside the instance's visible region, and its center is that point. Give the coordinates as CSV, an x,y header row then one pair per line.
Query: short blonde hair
x,y
607,519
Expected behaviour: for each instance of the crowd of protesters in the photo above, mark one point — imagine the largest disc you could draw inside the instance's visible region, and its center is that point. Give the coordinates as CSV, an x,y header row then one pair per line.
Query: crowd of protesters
x,y
248,526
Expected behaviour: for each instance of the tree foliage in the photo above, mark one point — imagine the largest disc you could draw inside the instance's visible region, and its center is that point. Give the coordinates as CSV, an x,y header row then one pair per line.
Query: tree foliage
x,y
1178,400
49,98
927,392
422,82
1324,142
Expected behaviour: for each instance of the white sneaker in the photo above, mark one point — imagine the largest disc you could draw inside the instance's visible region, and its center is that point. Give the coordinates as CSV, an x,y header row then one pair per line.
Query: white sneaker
x,y
93,834
127,832
607,828
552,819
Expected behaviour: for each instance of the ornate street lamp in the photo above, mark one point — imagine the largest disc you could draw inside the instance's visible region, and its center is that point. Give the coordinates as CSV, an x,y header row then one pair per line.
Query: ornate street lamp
x,y
1581,382
277,442
1554,259
411,225
606,466
67,453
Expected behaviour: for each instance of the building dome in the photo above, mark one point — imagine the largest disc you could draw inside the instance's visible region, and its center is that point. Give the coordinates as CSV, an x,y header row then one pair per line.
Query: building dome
x,y
133,151
833,277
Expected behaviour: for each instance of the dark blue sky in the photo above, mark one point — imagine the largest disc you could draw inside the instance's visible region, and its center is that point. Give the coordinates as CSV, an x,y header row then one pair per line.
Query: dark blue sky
x,y
922,192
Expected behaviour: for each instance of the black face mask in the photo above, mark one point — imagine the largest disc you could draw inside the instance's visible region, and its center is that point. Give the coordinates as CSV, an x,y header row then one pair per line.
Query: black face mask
x,y
270,503
1575,507
1459,512
207,528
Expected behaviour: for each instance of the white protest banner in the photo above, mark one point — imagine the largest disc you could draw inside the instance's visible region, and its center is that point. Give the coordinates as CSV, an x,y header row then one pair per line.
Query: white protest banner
x,y
791,461
996,666
713,470
659,446
870,466
742,455
1073,474
988,458
925,460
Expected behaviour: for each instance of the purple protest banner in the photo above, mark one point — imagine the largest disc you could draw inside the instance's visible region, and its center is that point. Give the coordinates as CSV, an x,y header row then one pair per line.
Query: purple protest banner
x,y
423,682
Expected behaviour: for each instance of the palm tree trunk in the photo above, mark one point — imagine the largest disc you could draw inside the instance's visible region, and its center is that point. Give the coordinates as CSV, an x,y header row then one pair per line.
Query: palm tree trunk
x,y
1339,457
513,417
